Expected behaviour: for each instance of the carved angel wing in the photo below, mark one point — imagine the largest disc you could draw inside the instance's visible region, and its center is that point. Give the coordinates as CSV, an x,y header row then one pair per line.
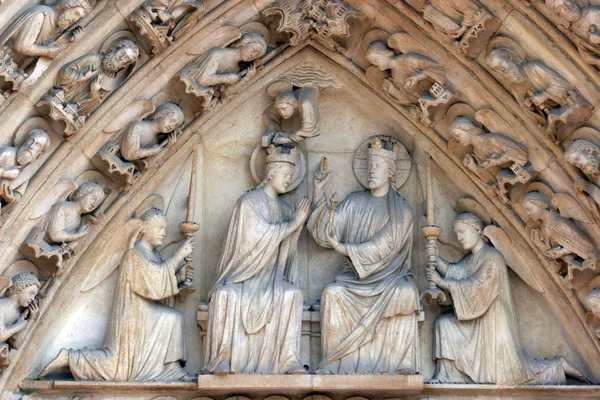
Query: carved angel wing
x,y
60,192
514,259
404,43
492,121
5,283
134,111
109,258
570,208
221,37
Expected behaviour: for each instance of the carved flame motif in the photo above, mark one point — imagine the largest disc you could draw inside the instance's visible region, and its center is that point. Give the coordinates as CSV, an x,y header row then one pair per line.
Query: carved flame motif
x,y
323,20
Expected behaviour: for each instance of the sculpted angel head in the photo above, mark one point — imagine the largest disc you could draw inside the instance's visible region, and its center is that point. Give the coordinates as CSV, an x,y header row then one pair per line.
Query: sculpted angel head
x,y
88,197
36,144
286,104
468,228
252,46
584,155
71,11
566,9
380,55
535,204
462,129
155,227
168,116
25,286
502,62
120,55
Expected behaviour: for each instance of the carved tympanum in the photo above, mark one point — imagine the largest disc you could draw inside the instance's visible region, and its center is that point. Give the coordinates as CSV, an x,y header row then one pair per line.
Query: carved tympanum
x,y
369,312
84,83
35,37
549,97
145,338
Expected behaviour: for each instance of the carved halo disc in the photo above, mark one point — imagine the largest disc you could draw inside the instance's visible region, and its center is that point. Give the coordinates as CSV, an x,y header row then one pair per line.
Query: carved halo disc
x,y
403,163
258,167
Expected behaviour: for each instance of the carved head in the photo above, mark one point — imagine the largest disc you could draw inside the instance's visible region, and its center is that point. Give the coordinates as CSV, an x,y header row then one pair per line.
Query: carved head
x,y
168,116
535,204
382,156
280,168
592,302
70,11
36,144
286,103
380,55
469,229
584,155
155,227
566,9
25,286
252,46
89,196
120,55
462,129
502,62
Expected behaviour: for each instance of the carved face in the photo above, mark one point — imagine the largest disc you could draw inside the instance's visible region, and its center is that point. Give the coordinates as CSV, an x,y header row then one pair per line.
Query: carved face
x,y
281,176
533,210
119,59
285,110
504,66
567,9
379,172
252,52
155,230
468,236
69,17
91,200
462,136
27,295
587,162
168,123
30,150
378,60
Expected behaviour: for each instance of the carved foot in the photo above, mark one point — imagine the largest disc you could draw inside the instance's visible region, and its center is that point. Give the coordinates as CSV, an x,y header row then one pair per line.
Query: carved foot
x,y
189,378
434,381
573,372
61,361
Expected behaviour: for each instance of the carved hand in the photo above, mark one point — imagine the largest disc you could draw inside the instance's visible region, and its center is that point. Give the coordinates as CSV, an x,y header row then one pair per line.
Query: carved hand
x,y
34,310
186,247
76,33
250,72
7,193
334,242
320,181
412,81
469,162
83,230
11,173
91,72
300,214
492,162
97,86
434,276
52,50
539,99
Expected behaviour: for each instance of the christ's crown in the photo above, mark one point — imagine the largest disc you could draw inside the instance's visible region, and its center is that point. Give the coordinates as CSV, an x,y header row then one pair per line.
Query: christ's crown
x,y
386,148
282,154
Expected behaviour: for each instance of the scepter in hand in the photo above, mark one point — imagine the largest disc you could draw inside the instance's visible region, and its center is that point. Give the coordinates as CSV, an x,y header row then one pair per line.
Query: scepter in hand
x,y
431,233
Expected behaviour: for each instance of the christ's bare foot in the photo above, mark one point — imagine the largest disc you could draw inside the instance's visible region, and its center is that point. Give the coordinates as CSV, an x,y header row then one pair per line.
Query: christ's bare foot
x,y
60,361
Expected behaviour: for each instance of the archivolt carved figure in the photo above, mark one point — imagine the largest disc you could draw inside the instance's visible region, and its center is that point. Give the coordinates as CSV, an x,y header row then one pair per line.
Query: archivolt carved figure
x,y
582,26
479,342
37,36
585,155
416,80
550,98
163,21
84,83
490,155
369,312
255,307
145,339
12,162
142,139
212,76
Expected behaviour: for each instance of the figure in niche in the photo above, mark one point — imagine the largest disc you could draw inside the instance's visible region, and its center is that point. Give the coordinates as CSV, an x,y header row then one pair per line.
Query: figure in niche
x,y
84,83
163,21
582,29
479,342
255,307
585,155
18,307
145,339
369,312
416,80
12,162
211,76
491,154
556,235
550,98
38,35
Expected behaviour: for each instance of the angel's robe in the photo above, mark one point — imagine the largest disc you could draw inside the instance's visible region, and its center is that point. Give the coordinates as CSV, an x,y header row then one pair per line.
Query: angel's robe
x,y
412,64
561,231
145,339
369,312
208,69
74,80
451,15
479,342
546,80
8,159
490,145
255,310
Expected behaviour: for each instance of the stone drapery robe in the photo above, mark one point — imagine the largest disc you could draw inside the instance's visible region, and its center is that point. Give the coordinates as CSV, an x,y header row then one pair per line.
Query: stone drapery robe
x,y
255,310
145,340
204,72
8,159
450,15
369,312
408,65
480,342
544,79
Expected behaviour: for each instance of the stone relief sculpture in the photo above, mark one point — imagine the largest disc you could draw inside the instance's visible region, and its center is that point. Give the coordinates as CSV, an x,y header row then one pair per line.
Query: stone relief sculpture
x,y
416,81
549,97
255,307
149,129
581,26
584,154
145,339
13,160
212,76
369,312
66,217
33,39
84,83
478,342
494,158
164,21
466,21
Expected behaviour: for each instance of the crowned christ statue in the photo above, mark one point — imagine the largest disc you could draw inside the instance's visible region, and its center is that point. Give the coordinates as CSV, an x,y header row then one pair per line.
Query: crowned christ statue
x,y
369,312
255,308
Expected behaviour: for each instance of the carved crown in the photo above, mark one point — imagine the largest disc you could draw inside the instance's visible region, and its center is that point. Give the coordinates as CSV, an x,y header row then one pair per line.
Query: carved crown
x,y
385,148
282,154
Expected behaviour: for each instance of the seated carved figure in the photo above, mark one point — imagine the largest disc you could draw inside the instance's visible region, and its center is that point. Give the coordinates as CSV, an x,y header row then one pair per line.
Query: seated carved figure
x,y
583,27
211,75
369,312
479,342
585,155
12,161
255,313
35,33
491,152
550,97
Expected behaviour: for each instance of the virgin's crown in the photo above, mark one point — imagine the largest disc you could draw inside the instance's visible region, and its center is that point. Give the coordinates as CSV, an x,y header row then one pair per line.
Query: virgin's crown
x,y
282,154
384,148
